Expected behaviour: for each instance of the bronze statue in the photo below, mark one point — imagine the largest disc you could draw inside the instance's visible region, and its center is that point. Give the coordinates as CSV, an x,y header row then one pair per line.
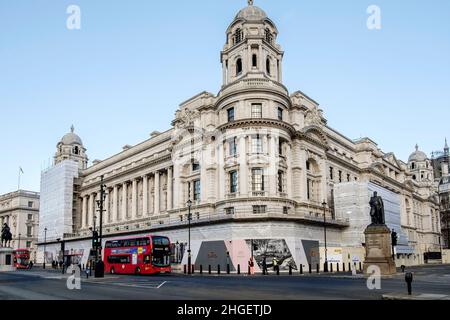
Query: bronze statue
x,y
377,210
6,235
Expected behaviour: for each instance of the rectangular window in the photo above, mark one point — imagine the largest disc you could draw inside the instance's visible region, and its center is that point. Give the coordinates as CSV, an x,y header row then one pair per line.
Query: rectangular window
x,y
229,210
28,244
331,173
29,231
30,217
348,177
195,166
258,179
280,181
340,176
197,190
30,204
257,146
259,209
256,111
280,114
233,182
230,113
233,147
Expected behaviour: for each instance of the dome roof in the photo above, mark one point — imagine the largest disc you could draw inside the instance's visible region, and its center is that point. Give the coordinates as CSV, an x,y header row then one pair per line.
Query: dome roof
x,y
252,13
71,138
418,155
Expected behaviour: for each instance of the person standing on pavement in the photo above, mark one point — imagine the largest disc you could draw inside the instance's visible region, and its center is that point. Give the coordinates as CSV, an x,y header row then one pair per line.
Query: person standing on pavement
x,y
251,265
275,264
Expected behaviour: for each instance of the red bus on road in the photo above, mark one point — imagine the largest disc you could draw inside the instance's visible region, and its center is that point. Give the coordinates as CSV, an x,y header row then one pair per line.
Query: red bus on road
x,y
139,255
22,258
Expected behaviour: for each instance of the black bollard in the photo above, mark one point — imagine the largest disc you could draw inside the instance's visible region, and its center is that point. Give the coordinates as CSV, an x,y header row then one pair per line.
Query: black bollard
x,y
185,269
310,268
318,268
249,271
343,267
193,269
209,269
360,266
337,267
290,270
218,269
201,269
239,269
409,280
349,267
331,267
301,269
278,270
228,269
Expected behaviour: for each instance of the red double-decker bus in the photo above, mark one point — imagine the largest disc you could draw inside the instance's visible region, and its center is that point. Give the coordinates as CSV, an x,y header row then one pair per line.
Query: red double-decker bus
x,y
139,255
22,258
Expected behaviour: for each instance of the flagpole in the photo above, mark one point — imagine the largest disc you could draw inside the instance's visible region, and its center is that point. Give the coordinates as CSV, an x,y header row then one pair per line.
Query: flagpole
x,y
18,184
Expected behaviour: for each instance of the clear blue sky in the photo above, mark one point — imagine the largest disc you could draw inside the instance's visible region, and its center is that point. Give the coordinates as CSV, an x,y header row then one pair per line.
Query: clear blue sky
x,y
125,72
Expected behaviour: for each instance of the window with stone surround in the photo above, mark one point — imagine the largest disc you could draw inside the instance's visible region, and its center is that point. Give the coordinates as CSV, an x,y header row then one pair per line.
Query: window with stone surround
x,y
238,67
196,190
230,114
233,147
258,179
257,145
233,181
259,209
256,110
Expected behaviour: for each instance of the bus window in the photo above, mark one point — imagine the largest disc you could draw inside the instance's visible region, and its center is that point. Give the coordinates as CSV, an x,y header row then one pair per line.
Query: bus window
x,y
147,259
119,259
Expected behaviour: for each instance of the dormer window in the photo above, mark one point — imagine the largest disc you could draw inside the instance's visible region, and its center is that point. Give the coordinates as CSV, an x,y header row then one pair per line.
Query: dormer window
x,y
76,150
269,36
238,67
238,36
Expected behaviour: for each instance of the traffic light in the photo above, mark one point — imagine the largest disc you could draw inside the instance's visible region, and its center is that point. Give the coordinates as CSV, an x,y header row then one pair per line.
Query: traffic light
x,y
95,240
394,238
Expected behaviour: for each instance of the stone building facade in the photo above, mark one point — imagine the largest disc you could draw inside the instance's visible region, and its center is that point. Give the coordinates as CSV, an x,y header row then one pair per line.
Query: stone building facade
x,y
258,163
20,210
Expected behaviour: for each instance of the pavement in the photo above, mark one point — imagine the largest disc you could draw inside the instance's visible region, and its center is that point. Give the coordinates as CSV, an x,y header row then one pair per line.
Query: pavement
x,y
430,282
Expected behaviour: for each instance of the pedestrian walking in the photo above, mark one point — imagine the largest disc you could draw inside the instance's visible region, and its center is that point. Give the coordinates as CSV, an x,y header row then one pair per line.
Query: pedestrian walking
x,y
251,265
275,264
265,267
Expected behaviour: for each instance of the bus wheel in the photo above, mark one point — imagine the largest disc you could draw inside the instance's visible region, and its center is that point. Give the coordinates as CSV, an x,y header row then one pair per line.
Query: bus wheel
x,y
112,271
137,271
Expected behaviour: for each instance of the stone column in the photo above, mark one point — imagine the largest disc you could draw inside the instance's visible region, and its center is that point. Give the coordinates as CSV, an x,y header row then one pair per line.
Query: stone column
x,y
243,170
134,198
83,212
106,217
115,204
157,192
90,219
169,188
124,202
145,196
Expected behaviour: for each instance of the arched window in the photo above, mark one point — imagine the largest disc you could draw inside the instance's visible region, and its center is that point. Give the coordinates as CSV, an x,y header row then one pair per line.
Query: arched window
x,y
238,66
76,150
268,66
254,61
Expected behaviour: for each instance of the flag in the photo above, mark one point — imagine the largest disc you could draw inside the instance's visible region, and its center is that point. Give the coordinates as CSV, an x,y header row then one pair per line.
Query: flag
x,y
20,168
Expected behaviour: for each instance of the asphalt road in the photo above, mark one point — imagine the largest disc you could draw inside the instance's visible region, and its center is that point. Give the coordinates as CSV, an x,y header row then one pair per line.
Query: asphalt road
x,y
47,284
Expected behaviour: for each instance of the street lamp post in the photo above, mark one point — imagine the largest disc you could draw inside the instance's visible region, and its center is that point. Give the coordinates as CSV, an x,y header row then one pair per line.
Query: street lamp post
x,y
100,267
19,241
45,243
324,205
189,204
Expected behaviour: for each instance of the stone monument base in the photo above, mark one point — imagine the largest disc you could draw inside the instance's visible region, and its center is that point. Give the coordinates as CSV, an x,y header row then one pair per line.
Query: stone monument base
x,y
7,260
378,249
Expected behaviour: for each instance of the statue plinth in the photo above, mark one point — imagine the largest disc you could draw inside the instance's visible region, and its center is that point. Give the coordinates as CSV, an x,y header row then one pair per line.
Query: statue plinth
x,y
378,249
7,260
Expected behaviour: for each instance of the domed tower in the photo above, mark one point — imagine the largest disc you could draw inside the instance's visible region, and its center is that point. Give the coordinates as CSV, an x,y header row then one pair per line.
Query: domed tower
x,y
251,50
71,148
420,166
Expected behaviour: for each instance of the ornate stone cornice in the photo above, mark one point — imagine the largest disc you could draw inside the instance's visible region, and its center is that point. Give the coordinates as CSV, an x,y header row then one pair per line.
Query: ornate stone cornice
x,y
258,122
